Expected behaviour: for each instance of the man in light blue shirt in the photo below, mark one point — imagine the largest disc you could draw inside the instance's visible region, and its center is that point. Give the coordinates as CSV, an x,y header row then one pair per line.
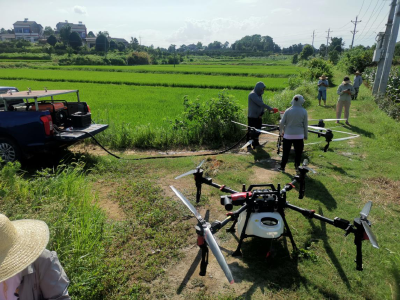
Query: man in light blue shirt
x,y
356,84
322,85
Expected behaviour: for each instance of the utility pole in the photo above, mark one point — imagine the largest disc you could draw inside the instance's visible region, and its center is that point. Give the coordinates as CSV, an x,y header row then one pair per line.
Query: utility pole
x,y
379,69
140,40
390,51
354,32
313,39
327,42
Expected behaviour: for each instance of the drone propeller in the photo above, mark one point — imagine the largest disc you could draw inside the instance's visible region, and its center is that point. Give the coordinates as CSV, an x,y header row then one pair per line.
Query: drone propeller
x,y
305,166
197,170
208,236
367,224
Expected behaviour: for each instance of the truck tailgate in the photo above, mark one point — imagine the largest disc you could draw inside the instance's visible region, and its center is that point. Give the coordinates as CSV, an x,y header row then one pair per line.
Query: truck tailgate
x,y
81,133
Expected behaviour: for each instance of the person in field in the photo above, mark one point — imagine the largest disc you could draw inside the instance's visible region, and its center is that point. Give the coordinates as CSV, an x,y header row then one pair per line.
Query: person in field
x,y
345,92
27,270
294,129
356,84
256,108
322,85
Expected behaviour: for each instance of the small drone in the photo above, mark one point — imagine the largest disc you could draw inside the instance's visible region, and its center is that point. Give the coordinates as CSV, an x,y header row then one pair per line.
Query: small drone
x,y
318,129
261,213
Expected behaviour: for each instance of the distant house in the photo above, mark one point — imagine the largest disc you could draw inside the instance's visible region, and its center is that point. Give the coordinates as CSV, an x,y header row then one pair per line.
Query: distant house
x,y
79,28
28,30
7,37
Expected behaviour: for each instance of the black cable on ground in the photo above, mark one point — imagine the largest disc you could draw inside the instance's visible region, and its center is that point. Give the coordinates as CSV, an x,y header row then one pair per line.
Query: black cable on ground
x,y
156,157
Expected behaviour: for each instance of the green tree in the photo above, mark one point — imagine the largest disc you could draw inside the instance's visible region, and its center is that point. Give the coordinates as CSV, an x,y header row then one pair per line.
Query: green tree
x,y
295,59
113,45
48,31
306,52
75,40
102,43
121,46
336,44
334,56
64,34
91,34
134,43
322,50
2,30
52,40
199,45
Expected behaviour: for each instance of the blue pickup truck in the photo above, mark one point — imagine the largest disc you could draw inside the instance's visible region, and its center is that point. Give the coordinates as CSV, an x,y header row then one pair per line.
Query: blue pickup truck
x,y
35,122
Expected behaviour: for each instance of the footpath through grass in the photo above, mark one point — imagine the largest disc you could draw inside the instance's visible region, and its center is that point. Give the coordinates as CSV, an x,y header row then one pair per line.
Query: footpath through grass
x,y
130,251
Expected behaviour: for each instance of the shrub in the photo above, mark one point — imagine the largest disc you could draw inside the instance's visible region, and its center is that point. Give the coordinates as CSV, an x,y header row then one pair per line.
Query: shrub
x,y
75,40
295,59
355,59
138,58
209,121
52,40
317,67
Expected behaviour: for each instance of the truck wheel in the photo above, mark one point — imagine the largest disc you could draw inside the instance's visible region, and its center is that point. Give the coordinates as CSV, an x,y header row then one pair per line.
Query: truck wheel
x,y
9,151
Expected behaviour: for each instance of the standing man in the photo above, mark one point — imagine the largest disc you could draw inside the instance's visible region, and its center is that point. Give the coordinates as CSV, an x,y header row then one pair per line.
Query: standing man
x,y
345,92
356,84
256,108
322,85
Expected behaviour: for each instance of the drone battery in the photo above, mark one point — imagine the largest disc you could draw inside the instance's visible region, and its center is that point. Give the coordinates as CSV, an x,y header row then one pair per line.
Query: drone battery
x,y
80,120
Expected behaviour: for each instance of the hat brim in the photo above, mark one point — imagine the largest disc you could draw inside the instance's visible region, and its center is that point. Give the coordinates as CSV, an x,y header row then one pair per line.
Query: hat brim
x,y
345,82
32,239
323,78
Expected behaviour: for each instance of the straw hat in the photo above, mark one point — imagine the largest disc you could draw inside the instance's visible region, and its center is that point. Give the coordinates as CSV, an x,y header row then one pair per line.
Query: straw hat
x,y
357,73
346,80
323,77
22,242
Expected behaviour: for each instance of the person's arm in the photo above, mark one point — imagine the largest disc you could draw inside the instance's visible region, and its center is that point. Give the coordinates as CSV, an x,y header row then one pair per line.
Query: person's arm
x,y
53,280
282,125
258,101
339,90
352,90
306,125
327,83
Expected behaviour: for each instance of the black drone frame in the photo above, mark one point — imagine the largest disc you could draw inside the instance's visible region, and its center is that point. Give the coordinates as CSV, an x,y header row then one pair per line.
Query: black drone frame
x,y
272,200
328,134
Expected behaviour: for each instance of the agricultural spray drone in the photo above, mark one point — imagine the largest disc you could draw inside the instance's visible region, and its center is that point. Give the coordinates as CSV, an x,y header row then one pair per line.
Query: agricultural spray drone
x,y
318,129
261,213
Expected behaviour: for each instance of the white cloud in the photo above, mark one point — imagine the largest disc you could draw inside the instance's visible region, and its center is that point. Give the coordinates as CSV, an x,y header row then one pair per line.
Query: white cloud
x,y
211,30
281,10
247,1
80,10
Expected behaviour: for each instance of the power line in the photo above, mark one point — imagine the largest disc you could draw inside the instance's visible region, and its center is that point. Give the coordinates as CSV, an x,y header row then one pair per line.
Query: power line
x,y
367,9
376,17
361,8
370,17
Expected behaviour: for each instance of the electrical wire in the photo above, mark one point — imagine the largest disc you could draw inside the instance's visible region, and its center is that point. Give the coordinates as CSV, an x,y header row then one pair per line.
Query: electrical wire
x,y
157,157
375,18
370,17
361,8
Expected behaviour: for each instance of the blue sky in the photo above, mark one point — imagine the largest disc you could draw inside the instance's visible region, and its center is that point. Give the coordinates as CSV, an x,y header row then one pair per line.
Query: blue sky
x,y
161,23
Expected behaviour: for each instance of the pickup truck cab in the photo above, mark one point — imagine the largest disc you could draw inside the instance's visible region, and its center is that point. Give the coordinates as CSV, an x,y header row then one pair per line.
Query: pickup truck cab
x,y
35,122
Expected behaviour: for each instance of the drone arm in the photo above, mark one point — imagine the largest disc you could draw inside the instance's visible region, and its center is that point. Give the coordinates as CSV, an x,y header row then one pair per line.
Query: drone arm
x,y
222,188
232,216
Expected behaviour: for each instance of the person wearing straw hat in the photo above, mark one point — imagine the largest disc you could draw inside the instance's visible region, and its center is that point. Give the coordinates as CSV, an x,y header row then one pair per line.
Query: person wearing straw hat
x,y
356,84
322,85
27,270
345,91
